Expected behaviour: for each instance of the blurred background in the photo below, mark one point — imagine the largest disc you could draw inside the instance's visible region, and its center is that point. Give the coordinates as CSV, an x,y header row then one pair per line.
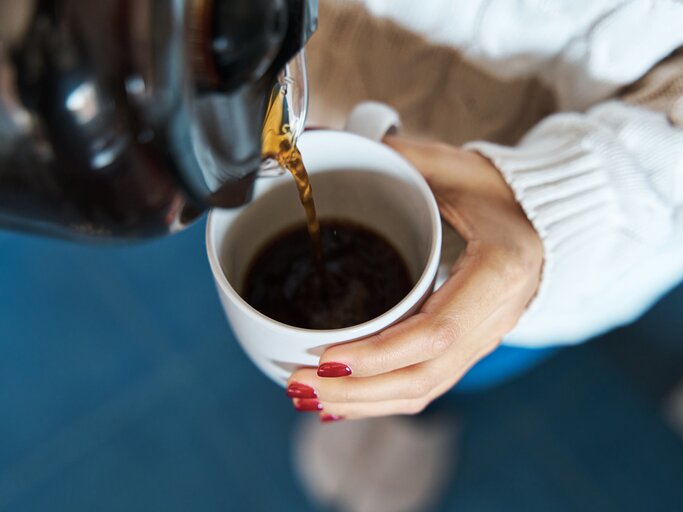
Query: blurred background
x,y
122,388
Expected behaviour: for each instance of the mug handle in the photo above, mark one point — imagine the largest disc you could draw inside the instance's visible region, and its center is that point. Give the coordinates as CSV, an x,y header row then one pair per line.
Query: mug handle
x,y
374,121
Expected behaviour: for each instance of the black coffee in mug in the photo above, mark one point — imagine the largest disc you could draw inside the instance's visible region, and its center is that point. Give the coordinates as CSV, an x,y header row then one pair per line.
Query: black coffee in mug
x,y
362,276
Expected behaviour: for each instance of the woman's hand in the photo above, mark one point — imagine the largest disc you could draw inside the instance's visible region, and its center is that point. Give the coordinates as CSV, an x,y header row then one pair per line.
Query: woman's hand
x,y
404,368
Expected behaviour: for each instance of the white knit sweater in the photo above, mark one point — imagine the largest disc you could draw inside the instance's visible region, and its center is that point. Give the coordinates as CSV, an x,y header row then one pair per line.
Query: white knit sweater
x,y
602,181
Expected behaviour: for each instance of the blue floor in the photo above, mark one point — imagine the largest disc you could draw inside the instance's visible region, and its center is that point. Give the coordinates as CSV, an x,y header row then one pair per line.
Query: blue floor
x,y
121,388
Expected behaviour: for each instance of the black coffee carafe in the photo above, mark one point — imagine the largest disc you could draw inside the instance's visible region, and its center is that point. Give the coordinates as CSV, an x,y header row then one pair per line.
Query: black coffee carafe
x,y
127,119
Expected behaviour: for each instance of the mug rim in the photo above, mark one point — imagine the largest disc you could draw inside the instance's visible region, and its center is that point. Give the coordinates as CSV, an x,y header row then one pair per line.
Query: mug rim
x,y
424,283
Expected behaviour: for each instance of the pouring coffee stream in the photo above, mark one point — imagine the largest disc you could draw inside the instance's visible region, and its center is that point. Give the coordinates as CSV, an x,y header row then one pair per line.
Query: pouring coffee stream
x,y
279,144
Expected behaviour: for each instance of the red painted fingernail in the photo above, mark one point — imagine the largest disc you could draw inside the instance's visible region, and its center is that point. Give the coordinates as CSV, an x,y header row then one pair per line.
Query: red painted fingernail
x,y
307,405
333,370
330,418
298,390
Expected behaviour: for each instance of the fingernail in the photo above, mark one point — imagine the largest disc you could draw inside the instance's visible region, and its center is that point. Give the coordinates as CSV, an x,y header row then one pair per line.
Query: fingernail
x,y
307,405
298,390
330,418
333,370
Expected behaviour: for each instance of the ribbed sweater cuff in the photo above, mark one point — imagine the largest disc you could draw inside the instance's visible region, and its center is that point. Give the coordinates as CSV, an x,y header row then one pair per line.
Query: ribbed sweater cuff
x,y
566,193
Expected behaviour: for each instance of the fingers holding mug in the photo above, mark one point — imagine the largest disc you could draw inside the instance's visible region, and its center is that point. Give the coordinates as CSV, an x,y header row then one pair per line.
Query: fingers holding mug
x,y
405,391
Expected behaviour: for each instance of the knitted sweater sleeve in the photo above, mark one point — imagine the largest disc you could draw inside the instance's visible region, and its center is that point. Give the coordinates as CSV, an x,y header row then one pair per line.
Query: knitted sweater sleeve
x,y
604,189
603,185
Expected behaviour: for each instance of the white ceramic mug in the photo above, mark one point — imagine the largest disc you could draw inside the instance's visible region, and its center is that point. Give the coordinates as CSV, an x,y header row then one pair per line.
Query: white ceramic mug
x,y
354,178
